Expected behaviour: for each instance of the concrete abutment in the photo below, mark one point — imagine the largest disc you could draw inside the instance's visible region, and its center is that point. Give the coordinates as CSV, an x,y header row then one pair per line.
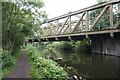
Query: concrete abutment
x,y
109,46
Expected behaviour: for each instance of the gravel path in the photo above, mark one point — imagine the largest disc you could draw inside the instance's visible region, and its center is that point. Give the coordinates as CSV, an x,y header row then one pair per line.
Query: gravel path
x,y
21,70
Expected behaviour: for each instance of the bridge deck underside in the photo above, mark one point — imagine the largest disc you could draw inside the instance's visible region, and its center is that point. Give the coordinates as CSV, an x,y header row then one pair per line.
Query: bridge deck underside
x,y
81,36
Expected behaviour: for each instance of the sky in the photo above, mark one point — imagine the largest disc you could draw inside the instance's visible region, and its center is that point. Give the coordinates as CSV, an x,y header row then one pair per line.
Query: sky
x,y
56,8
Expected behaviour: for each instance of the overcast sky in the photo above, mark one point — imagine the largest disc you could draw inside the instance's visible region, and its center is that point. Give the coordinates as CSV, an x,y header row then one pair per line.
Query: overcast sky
x,y
58,7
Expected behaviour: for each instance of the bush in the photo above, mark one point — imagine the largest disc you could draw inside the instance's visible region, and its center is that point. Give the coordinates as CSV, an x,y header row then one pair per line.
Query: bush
x,y
7,61
66,46
82,46
44,68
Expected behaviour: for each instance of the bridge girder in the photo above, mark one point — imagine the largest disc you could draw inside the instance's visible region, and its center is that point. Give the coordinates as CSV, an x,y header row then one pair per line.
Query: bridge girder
x,y
70,27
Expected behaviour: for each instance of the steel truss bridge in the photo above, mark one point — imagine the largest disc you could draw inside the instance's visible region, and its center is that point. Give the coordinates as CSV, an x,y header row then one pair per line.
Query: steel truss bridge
x,y
77,25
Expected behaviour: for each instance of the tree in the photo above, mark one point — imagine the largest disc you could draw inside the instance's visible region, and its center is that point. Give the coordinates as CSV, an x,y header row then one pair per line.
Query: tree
x,y
99,1
104,22
19,20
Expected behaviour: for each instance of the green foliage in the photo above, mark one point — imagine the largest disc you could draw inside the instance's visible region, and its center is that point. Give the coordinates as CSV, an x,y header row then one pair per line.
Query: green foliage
x,y
44,68
104,22
12,24
99,1
63,50
48,49
7,61
55,50
20,20
51,49
116,15
82,46
66,46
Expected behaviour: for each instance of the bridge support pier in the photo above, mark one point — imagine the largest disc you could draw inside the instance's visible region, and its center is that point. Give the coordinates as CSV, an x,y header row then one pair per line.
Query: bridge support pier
x,y
110,46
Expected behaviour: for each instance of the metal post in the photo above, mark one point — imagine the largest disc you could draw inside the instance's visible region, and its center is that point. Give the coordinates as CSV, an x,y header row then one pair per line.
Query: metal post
x,y
111,16
70,24
87,21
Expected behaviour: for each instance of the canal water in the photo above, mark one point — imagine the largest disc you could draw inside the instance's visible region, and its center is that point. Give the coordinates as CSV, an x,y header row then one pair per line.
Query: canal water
x,y
91,65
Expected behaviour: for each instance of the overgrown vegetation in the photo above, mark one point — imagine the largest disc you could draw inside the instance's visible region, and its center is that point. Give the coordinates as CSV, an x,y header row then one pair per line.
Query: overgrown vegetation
x,y
19,21
8,61
23,19
44,68
64,51
48,52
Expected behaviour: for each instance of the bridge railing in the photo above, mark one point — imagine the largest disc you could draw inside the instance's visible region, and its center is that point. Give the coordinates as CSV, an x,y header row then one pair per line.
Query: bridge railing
x,y
97,17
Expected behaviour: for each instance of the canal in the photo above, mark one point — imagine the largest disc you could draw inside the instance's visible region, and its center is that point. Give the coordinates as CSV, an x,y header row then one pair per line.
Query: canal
x,y
91,65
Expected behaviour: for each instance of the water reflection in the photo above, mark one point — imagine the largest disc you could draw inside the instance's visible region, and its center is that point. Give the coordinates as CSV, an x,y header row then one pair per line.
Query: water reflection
x,y
92,65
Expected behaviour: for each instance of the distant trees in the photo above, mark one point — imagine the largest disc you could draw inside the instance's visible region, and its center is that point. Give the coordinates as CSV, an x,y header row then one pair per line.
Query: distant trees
x,y
104,22
99,1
